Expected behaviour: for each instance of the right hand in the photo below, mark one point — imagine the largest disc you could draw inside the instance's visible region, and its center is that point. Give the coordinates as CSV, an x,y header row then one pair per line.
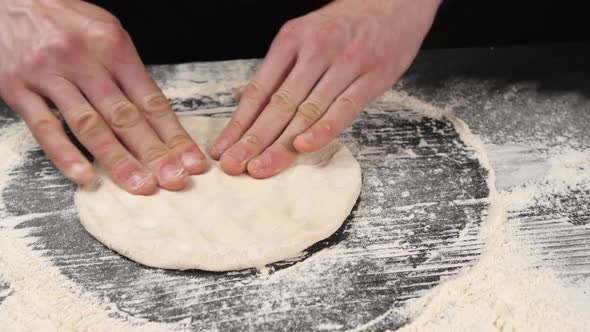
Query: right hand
x,y
79,57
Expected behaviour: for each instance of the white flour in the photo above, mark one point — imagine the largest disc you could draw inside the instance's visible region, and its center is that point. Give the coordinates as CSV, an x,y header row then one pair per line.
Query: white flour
x,y
501,292
186,89
42,299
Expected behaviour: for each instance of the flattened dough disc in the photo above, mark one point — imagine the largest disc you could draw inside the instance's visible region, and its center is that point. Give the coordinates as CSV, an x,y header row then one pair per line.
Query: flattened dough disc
x,y
224,222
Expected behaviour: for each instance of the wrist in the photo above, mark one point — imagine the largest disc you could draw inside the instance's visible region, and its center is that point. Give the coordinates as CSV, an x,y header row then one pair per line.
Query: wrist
x,y
426,6
392,7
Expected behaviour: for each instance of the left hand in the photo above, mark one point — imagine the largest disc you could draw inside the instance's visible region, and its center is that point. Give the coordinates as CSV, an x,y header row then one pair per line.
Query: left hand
x,y
321,70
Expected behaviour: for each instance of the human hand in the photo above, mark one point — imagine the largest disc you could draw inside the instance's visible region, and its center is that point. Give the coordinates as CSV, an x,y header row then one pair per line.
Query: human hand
x,y
78,57
321,70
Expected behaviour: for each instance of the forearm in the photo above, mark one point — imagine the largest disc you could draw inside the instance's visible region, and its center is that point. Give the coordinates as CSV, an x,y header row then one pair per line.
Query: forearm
x,y
390,7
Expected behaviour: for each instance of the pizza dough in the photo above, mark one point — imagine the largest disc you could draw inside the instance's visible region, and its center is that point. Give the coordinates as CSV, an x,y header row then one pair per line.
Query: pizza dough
x,y
222,222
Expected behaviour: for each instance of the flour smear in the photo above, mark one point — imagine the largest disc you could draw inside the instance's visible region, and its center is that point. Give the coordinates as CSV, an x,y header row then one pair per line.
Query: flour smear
x,y
503,291
41,299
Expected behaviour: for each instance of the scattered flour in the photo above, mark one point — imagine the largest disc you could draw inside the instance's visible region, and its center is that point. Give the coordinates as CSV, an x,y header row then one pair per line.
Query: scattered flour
x,y
187,89
562,168
501,292
42,299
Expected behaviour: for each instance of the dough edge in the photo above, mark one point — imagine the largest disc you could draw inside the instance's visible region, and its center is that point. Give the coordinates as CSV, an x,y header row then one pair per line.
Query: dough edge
x,y
218,261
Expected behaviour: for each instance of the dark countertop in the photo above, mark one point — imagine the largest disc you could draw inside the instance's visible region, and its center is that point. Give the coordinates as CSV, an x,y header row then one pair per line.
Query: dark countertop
x,y
417,219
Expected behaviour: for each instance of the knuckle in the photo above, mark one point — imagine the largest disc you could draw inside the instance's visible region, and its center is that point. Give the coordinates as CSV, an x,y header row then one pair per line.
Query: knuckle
x,y
178,140
328,34
36,60
45,125
111,35
117,160
323,42
282,100
124,115
346,104
289,30
157,106
310,112
86,124
354,51
252,140
236,125
62,45
154,153
254,91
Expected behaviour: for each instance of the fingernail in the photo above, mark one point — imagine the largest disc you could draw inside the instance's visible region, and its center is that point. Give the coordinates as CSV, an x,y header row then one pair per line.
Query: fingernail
x,y
75,171
237,154
172,172
255,165
262,161
138,180
82,173
308,138
191,159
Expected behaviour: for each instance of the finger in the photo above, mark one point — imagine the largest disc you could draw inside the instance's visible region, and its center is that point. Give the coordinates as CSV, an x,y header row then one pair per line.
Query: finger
x,y
275,67
131,127
50,134
92,131
275,116
239,91
281,153
341,113
143,92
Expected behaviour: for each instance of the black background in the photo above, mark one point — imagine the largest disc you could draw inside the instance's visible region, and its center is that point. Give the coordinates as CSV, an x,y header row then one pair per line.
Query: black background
x,y
183,31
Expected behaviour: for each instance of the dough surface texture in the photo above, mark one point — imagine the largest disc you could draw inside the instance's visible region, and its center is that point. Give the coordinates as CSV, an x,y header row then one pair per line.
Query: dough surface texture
x,y
223,222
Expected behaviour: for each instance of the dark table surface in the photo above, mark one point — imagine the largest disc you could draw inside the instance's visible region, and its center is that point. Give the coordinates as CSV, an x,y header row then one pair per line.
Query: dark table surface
x,y
418,218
